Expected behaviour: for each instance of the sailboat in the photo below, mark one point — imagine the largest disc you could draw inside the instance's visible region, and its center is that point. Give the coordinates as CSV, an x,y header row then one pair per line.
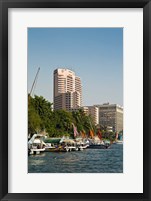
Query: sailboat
x,y
97,142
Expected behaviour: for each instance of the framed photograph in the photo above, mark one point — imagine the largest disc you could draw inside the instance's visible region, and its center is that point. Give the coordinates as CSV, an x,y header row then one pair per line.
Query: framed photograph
x,y
75,100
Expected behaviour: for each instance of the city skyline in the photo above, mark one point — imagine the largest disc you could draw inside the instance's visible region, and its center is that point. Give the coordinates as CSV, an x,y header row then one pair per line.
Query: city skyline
x,y
94,54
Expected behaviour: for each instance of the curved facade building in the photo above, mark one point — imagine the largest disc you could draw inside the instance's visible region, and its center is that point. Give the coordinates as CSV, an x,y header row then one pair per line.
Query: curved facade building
x,y
67,90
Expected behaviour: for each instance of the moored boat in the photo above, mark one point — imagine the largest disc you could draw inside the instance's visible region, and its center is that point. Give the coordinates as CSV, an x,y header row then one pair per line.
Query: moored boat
x,y
119,142
36,144
35,150
96,143
57,149
98,146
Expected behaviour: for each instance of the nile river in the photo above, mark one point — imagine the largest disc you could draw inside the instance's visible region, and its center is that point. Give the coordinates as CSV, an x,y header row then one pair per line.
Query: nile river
x,y
86,161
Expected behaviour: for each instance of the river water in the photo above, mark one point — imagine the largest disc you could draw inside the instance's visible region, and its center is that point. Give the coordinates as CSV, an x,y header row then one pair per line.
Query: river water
x,y
86,161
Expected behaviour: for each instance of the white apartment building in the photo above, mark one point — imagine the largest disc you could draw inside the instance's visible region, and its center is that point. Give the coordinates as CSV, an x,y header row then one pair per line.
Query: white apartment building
x,y
93,112
111,116
67,90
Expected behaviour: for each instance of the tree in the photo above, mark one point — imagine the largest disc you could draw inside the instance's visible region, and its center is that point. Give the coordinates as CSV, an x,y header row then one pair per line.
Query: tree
x,y
56,123
34,121
83,122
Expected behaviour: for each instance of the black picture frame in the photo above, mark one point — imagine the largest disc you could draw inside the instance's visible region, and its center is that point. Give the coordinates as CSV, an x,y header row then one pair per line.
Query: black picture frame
x,y
4,6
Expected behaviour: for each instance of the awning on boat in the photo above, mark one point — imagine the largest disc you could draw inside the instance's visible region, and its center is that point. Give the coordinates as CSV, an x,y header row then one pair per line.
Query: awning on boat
x,y
70,141
52,140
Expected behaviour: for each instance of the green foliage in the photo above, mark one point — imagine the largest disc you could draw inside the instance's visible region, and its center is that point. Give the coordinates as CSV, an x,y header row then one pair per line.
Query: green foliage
x,y
34,121
60,122
108,135
56,123
39,114
83,122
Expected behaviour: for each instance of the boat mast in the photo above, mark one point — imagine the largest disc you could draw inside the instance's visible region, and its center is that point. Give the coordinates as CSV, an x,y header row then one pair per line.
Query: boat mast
x,y
34,83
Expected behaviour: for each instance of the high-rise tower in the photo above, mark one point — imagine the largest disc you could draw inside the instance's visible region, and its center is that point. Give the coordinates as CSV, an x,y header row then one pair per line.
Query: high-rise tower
x,y
67,90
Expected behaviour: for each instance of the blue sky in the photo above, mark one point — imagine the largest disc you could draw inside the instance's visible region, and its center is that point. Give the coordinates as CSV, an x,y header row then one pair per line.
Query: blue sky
x,y
95,54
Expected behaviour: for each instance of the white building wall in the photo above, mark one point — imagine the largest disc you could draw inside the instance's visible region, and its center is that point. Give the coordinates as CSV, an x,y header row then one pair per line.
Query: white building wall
x,y
93,112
